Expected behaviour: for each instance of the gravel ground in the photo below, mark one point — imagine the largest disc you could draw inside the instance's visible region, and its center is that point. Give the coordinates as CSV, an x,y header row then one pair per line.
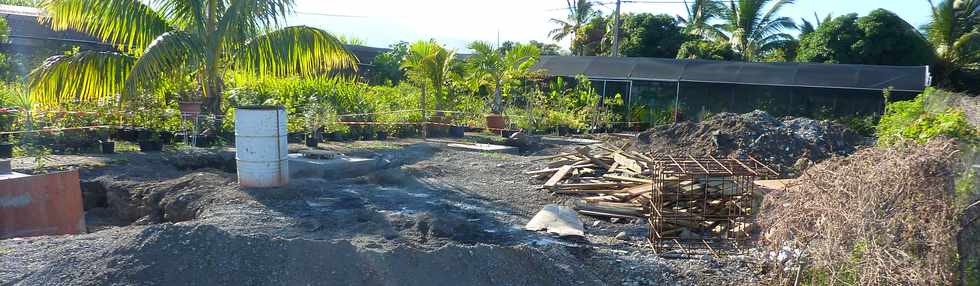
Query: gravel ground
x,y
436,217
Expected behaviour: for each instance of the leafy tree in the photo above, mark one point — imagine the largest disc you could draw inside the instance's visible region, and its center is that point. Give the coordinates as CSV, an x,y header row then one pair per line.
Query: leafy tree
x,y
173,38
387,65
881,38
754,28
546,49
495,67
954,32
889,40
580,13
429,63
832,42
589,39
707,50
700,13
351,40
648,35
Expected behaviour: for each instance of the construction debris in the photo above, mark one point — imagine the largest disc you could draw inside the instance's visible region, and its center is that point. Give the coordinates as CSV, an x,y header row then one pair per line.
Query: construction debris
x,y
685,199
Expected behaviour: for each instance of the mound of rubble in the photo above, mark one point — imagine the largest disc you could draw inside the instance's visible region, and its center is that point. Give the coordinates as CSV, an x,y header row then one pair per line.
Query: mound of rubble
x,y
780,143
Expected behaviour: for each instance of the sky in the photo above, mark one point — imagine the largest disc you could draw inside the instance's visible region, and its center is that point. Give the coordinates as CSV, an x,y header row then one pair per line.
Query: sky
x,y
455,23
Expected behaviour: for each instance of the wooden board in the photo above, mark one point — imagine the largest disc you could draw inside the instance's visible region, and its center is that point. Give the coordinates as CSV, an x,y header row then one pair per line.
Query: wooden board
x,y
560,174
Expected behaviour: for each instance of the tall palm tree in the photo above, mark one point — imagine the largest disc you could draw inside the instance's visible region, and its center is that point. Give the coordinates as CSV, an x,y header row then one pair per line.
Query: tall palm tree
x,y
428,62
754,28
491,66
699,16
955,33
580,12
170,38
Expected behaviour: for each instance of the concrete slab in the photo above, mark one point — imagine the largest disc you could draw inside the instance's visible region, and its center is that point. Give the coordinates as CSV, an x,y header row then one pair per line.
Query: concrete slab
x,y
485,148
568,141
339,167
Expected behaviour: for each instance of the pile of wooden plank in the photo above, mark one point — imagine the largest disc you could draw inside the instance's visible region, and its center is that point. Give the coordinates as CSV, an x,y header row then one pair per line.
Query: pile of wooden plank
x,y
613,183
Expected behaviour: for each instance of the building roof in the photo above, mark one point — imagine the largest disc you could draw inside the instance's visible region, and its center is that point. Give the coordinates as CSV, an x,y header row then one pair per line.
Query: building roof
x,y
867,77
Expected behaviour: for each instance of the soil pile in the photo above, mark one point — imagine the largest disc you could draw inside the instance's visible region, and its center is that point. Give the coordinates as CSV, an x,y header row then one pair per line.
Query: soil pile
x,y
781,143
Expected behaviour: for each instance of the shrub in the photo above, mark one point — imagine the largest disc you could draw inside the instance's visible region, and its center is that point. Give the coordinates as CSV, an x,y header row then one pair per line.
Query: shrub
x,y
924,118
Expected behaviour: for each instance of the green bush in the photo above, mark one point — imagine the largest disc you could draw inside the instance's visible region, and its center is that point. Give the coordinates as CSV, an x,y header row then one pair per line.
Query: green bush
x,y
915,120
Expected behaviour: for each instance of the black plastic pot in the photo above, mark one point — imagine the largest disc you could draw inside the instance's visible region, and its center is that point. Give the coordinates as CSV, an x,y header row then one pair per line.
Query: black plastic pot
x,y
311,142
6,150
507,133
203,141
457,131
108,147
166,137
335,136
382,135
151,146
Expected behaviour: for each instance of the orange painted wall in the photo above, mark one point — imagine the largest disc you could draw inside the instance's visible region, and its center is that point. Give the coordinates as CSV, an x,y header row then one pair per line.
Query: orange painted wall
x,y
41,205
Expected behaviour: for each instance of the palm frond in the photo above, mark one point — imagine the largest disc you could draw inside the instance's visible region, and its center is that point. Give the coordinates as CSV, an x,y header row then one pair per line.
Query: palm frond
x,y
84,76
170,55
128,24
296,50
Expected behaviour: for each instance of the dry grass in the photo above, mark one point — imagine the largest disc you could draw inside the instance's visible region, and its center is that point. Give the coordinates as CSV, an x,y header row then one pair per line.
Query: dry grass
x,y
878,217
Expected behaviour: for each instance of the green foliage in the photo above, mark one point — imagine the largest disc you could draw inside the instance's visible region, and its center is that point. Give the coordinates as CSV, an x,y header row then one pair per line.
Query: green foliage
x,y
387,66
880,38
699,49
27,3
173,38
913,120
580,12
754,27
648,35
954,34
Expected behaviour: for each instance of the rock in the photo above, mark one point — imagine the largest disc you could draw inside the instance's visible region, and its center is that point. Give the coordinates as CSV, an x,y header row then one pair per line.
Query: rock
x,y
622,236
596,223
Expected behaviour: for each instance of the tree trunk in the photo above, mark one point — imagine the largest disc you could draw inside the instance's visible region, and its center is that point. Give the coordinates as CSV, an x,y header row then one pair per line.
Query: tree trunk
x,y
498,99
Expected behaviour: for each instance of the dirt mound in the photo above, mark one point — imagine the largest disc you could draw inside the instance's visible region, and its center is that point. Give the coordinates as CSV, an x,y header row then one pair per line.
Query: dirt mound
x,y
169,254
781,143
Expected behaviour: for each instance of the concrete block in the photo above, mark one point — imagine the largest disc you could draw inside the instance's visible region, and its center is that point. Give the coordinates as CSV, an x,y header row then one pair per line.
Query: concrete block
x,y
485,148
338,167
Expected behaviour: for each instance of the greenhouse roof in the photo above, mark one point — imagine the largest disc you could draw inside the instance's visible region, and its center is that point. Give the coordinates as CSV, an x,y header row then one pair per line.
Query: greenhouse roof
x,y
868,77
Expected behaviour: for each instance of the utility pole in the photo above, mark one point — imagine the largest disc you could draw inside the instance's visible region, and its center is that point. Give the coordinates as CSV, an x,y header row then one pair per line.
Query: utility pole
x,y
615,43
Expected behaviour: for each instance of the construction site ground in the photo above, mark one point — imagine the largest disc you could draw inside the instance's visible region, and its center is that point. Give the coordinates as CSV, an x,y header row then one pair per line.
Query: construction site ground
x,y
433,216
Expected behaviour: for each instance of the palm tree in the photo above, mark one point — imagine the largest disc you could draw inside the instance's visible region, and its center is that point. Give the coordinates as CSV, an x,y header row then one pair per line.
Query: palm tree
x,y
807,27
174,38
755,31
427,62
955,33
580,13
491,66
699,16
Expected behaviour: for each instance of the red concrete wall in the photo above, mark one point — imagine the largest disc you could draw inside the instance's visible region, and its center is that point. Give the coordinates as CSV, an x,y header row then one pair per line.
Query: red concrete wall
x,y
41,205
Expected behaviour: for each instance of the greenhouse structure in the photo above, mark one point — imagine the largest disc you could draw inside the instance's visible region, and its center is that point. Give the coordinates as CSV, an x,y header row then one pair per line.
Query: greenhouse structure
x,y
652,89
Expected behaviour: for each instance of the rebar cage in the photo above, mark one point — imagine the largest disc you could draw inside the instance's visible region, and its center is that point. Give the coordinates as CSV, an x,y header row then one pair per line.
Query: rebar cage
x,y
703,202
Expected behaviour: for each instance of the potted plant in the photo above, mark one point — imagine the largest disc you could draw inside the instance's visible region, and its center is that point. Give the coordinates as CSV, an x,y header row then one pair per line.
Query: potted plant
x,y
105,142
318,116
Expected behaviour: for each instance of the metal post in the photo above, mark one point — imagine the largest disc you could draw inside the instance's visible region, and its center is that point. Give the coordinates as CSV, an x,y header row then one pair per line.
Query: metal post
x,y
677,99
629,106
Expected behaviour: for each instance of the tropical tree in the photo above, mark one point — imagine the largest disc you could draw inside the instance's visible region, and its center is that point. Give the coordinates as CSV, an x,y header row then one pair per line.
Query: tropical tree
x,y
494,67
754,27
700,13
580,13
954,32
429,63
807,27
880,38
173,38
649,35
